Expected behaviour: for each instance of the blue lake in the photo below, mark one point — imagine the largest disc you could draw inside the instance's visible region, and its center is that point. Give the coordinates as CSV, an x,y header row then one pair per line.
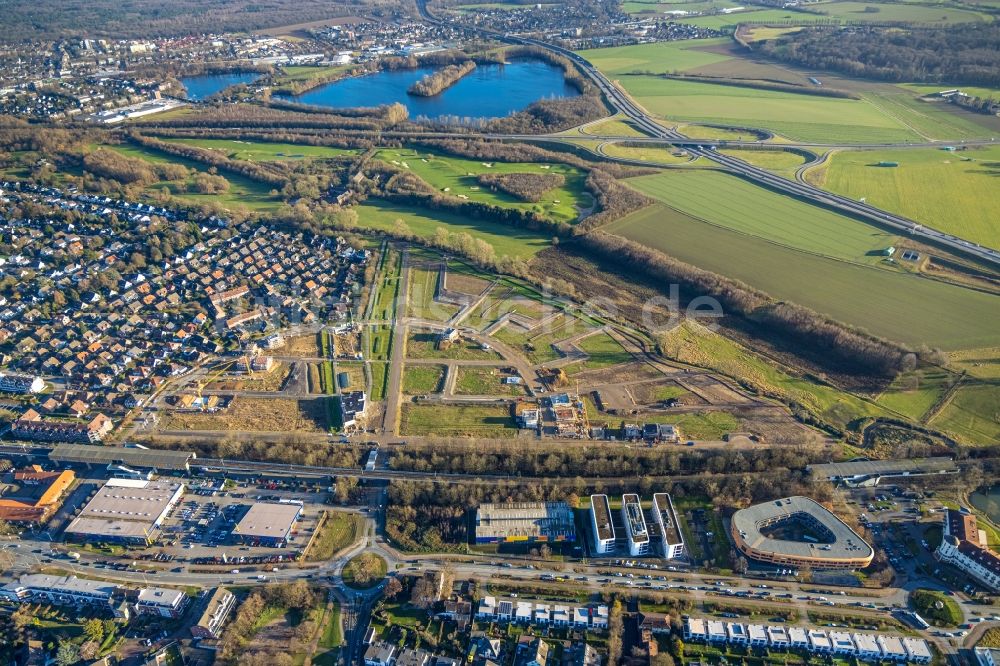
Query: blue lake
x,y
205,85
489,91
988,501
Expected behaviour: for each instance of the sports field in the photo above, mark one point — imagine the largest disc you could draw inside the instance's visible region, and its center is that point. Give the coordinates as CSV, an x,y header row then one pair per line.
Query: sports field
x,y
955,192
506,240
457,176
242,191
898,306
259,151
797,116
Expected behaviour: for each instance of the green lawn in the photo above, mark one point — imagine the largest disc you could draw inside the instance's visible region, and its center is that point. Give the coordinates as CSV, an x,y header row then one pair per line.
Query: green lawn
x,y
457,421
824,259
421,303
339,531
476,380
420,379
353,573
926,603
710,426
381,215
973,414
602,350
242,191
457,176
650,153
955,192
261,151
781,162
730,21
916,392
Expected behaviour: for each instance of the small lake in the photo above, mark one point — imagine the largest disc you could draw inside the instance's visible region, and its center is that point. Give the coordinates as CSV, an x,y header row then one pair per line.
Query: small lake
x,y
205,85
988,502
489,91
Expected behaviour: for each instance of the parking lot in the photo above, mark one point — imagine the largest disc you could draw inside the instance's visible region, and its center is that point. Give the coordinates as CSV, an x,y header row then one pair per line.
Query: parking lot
x,y
200,529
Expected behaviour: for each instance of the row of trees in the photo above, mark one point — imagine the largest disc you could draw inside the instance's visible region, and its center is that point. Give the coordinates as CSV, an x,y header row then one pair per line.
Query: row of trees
x,y
524,186
614,200
252,170
437,82
963,54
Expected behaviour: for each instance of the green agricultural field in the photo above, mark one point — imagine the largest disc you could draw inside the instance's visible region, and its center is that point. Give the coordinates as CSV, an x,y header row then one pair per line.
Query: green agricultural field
x,y
457,176
979,363
476,380
795,115
712,133
782,162
381,215
656,58
692,343
730,21
602,350
242,192
933,120
891,304
928,89
907,12
420,379
660,7
738,205
259,151
972,414
457,421
955,192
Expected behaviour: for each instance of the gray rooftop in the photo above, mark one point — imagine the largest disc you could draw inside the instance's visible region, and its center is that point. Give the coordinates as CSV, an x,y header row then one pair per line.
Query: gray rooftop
x,y
103,455
846,542
269,520
664,507
845,470
602,516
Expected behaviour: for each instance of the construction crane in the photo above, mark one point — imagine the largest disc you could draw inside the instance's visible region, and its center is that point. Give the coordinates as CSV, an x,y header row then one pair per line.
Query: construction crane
x,y
209,378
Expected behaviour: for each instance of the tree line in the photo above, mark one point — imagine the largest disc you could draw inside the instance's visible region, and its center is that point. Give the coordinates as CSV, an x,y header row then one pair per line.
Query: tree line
x,y
437,82
802,325
614,200
964,54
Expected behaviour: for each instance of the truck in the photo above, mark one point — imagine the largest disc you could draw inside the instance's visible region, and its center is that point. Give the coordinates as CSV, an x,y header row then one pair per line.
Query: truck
x,y
73,555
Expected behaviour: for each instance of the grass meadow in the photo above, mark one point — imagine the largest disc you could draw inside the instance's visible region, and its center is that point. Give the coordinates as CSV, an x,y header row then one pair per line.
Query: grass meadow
x,y
955,192
260,151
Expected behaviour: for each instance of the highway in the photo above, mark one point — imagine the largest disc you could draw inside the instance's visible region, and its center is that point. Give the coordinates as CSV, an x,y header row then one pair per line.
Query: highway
x,y
622,103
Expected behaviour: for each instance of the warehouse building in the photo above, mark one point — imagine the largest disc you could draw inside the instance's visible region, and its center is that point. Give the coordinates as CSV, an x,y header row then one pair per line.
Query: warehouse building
x,y
600,523
797,531
127,511
665,517
525,521
635,525
268,524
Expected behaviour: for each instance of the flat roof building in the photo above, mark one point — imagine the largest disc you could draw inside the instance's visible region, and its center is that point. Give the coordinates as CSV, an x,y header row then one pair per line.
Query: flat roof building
x,y
600,522
525,521
217,609
769,532
161,601
126,511
635,525
665,516
102,456
268,523
60,590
